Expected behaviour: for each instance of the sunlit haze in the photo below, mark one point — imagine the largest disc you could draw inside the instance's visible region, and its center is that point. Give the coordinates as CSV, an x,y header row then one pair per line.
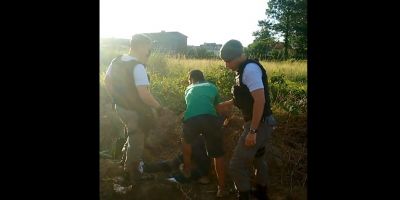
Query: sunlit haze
x,y
202,21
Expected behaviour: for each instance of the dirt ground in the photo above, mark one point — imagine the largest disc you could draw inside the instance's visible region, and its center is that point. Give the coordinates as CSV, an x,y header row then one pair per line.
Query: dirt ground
x,y
286,158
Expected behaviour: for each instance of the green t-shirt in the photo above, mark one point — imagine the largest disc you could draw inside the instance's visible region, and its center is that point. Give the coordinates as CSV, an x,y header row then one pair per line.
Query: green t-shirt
x,y
201,98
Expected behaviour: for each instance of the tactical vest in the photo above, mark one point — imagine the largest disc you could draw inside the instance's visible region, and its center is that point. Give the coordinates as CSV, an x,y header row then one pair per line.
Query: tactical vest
x,y
241,94
120,84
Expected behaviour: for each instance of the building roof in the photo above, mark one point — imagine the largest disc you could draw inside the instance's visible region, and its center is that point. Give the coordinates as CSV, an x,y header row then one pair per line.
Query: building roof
x,y
164,32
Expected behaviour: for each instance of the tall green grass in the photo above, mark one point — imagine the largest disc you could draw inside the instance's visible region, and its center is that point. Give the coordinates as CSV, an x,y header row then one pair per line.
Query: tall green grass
x,y
168,77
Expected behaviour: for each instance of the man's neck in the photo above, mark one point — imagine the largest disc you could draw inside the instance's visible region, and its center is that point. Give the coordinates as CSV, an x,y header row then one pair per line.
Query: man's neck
x,y
241,63
198,82
135,56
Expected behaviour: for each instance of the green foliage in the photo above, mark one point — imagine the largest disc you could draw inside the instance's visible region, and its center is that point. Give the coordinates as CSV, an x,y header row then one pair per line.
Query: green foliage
x,y
287,21
168,81
288,95
168,77
199,53
260,49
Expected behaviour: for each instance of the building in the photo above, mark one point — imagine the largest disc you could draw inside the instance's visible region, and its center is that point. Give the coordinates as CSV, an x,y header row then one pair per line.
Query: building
x,y
115,43
212,47
169,42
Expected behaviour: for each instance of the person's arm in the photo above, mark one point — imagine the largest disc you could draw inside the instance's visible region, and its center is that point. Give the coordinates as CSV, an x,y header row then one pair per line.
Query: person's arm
x,y
217,99
225,109
252,78
218,104
258,107
147,97
142,84
227,103
225,106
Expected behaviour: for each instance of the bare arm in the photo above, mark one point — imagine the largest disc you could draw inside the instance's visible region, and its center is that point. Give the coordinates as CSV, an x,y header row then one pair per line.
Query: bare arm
x,y
258,107
224,107
147,97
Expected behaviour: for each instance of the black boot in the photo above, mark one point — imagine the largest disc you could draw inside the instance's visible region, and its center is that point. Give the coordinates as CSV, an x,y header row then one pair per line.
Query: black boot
x,y
261,192
244,195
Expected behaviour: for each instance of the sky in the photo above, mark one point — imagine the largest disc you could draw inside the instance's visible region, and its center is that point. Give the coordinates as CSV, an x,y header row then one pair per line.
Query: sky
x,y
201,20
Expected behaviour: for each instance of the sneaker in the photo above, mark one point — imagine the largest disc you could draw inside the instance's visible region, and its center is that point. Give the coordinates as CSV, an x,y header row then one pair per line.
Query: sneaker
x,y
140,167
181,178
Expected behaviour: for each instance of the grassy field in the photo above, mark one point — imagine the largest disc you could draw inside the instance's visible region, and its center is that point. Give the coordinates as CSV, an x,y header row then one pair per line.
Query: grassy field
x,y
288,83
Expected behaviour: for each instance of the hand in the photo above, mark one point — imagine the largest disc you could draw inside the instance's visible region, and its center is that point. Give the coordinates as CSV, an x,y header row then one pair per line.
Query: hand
x,y
228,104
250,140
224,108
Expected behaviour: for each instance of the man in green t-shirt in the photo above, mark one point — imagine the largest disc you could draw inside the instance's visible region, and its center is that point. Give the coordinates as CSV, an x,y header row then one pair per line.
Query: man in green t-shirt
x,y
201,117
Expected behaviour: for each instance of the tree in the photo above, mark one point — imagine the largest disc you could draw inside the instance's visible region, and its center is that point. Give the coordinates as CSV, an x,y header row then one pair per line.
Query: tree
x,y
263,43
259,49
199,52
287,19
